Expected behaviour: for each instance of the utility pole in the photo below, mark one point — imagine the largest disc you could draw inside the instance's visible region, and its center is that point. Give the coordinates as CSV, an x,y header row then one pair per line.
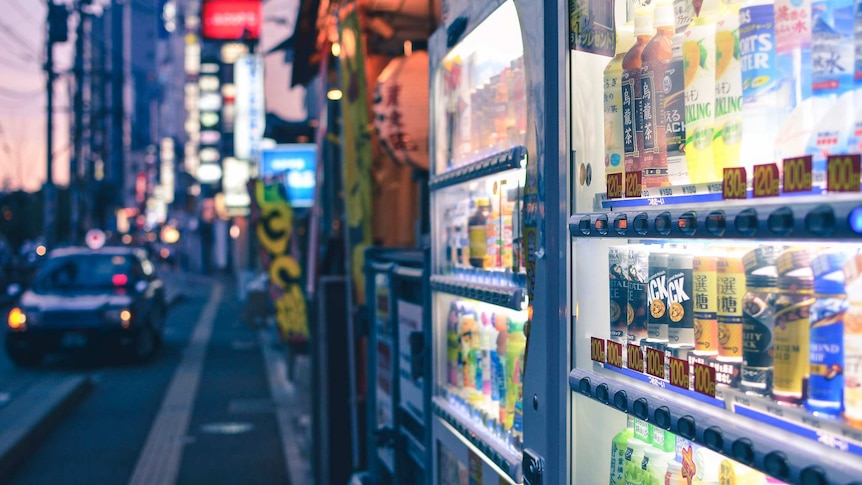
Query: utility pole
x,y
57,31
76,180
116,165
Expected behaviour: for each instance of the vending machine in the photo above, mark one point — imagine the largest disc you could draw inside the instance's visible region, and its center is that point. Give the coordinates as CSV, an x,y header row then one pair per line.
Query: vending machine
x,y
487,171
715,225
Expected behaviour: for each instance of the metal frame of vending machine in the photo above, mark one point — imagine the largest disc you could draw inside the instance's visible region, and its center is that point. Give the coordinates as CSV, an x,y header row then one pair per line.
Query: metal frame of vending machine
x,y
674,392
393,427
467,441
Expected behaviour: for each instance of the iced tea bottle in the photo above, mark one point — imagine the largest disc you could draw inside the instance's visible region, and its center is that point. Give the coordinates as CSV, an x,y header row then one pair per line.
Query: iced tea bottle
x,y
655,59
631,93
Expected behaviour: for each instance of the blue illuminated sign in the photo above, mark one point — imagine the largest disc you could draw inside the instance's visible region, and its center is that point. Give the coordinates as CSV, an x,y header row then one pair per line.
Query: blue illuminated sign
x,y
296,162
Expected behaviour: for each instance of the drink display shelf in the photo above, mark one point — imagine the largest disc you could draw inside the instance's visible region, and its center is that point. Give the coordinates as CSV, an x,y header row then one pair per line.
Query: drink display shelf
x,y
501,162
733,424
505,296
493,447
836,218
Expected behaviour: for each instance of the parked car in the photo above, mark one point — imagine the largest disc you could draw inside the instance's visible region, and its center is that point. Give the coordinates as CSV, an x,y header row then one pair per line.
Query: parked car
x,y
107,299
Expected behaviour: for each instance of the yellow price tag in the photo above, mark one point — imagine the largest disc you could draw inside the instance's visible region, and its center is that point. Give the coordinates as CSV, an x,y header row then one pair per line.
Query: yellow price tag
x,y
614,185
636,358
797,174
678,369
597,349
842,173
765,180
655,362
733,183
633,184
615,354
704,379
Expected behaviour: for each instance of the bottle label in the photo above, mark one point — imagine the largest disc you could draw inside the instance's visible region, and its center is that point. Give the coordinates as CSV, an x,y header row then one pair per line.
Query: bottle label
x,y
757,46
636,318
478,241
614,127
631,109
832,47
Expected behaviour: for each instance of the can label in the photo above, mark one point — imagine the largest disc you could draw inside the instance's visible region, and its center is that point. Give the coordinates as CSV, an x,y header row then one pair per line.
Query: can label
x,y
618,287
791,353
680,312
657,296
731,290
705,306
757,329
826,351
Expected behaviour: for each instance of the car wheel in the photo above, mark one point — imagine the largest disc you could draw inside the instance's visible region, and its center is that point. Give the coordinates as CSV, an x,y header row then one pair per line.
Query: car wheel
x,y
24,358
145,343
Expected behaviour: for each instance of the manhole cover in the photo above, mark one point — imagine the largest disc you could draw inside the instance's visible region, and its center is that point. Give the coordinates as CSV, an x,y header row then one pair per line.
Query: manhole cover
x,y
227,428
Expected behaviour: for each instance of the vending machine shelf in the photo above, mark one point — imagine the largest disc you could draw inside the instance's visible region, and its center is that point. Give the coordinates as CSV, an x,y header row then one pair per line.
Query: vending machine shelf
x,y
500,295
501,162
839,219
492,447
740,434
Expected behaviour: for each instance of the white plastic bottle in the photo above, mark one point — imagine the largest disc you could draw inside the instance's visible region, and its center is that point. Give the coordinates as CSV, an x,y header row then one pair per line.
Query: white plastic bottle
x,y
793,61
763,106
613,105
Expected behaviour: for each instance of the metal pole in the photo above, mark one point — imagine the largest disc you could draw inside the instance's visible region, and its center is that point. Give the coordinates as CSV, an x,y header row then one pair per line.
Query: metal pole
x,y
116,166
78,133
48,194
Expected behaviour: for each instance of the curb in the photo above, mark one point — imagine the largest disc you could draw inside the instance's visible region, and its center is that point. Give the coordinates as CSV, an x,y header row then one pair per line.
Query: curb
x,y
30,417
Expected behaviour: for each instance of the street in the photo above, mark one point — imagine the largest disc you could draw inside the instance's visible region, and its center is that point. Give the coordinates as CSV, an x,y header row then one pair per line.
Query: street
x,y
201,411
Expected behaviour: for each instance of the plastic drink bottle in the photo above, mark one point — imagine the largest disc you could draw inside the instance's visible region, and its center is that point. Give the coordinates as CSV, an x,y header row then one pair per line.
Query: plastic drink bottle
x,y
618,452
655,59
613,105
632,97
853,342
727,134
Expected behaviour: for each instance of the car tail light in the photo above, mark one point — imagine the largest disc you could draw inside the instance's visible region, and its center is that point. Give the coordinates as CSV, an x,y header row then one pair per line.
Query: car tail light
x,y
17,319
119,280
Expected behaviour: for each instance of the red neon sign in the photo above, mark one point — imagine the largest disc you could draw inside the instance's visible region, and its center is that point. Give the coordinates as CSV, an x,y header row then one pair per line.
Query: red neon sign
x,y
231,19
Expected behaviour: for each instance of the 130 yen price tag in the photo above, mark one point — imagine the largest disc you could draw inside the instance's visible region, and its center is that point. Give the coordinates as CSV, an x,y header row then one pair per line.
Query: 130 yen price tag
x,y
733,184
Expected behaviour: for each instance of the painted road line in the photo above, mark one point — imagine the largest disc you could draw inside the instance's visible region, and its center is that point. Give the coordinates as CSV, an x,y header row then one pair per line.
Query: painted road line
x,y
286,409
162,455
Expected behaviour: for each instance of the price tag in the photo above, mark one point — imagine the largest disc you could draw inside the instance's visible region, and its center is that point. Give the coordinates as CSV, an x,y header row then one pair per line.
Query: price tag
x,y
597,349
678,369
614,185
842,173
633,184
704,379
765,180
636,358
655,362
797,174
615,354
733,183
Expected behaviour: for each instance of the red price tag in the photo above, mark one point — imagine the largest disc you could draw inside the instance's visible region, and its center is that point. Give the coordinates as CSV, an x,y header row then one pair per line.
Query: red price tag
x,y
636,358
733,183
842,173
614,185
704,379
615,354
597,349
655,362
797,174
766,180
678,369
633,184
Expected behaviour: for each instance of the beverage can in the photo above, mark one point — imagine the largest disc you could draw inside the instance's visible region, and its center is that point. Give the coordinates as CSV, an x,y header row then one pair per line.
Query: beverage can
x,y
757,326
705,304
731,291
680,305
618,288
657,328
853,342
792,309
637,294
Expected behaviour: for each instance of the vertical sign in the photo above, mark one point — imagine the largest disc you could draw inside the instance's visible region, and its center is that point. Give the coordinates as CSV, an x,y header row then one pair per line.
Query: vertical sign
x,y
409,321
250,115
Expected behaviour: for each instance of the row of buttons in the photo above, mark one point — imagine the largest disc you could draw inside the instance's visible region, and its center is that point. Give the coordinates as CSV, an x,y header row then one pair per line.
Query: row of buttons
x,y
509,297
775,463
781,221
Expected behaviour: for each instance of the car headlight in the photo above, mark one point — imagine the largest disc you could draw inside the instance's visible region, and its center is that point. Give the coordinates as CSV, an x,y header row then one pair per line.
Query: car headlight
x,y
118,315
17,320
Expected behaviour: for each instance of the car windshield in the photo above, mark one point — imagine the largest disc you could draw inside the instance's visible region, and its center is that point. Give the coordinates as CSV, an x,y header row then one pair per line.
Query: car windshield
x,y
83,271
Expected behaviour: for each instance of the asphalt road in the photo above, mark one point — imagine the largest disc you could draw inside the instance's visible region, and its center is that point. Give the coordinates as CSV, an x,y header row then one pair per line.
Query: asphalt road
x,y
200,412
